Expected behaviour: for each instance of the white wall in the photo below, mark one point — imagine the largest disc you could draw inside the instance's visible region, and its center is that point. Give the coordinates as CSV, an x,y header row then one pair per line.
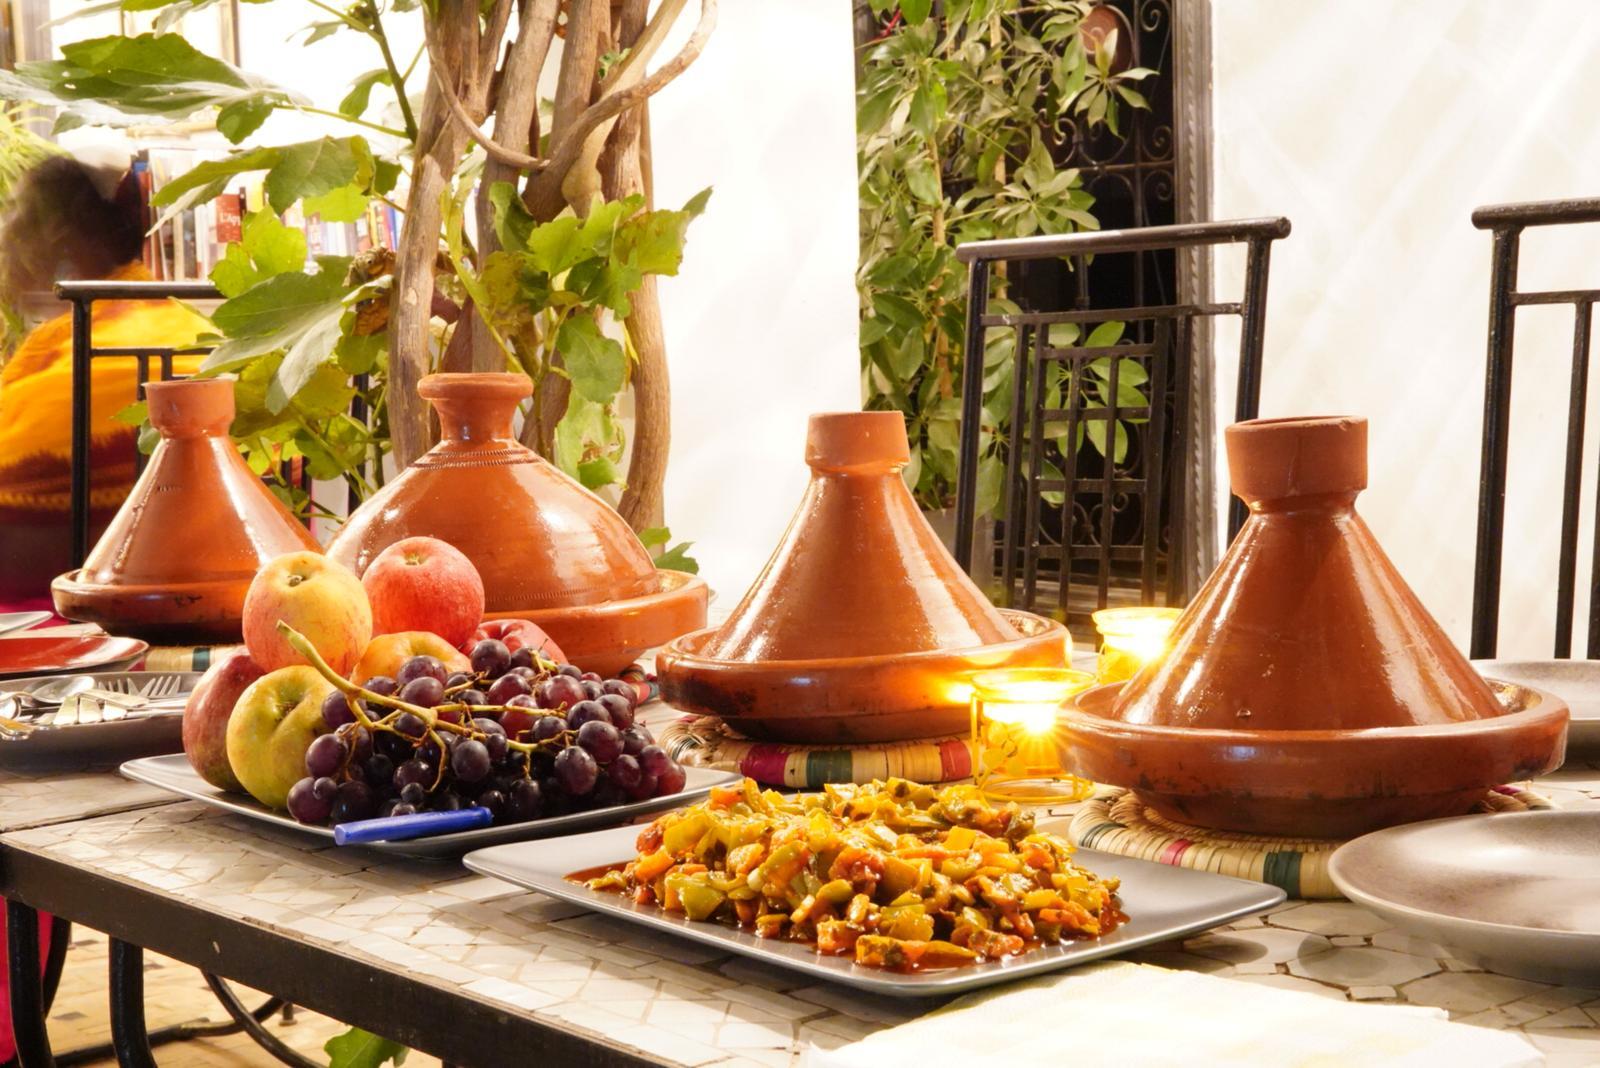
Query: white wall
x,y
761,321
1377,128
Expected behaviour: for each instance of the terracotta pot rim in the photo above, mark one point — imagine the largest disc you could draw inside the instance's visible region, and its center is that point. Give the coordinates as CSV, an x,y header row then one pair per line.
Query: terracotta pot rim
x,y
1548,706
457,383
70,584
670,586
682,650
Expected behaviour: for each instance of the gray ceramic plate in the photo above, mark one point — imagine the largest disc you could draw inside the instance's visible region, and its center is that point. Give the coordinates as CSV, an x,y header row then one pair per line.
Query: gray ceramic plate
x,y
1577,682
1161,902
175,774
1517,893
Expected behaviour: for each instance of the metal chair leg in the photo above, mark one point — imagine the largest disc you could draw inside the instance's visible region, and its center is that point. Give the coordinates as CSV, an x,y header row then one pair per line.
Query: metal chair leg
x,y
27,987
251,1024
129,1038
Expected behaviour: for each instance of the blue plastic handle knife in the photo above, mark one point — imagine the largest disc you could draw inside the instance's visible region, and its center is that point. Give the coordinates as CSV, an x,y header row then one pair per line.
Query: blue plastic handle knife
x,y
416,825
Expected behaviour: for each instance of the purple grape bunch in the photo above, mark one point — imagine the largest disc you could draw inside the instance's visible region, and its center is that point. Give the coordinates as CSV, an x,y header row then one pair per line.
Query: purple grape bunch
x,y
523,740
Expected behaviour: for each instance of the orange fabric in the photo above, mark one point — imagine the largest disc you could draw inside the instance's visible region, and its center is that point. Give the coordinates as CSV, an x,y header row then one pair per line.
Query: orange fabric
x,y
36,399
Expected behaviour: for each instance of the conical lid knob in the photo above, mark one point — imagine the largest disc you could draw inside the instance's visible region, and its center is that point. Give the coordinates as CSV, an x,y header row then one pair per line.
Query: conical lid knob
x,y
197,514
537,537
1305,624
859,572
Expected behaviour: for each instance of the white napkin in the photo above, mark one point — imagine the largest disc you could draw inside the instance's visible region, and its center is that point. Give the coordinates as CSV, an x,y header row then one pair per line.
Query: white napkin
x,y
1123,1014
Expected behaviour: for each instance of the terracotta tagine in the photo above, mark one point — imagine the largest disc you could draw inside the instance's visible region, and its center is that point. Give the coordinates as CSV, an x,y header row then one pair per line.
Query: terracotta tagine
x,y
548,549
861,628
175,562
1306,691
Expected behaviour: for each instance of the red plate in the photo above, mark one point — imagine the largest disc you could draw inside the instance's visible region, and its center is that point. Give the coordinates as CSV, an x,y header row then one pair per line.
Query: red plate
x,y
57,654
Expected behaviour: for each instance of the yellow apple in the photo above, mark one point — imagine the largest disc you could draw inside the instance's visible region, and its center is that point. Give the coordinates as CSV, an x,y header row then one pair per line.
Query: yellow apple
x,y
318,597
385,653
273,724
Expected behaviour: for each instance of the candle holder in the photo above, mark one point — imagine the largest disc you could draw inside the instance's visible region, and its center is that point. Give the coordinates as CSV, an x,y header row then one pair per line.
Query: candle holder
x,y
1130,638
1019,740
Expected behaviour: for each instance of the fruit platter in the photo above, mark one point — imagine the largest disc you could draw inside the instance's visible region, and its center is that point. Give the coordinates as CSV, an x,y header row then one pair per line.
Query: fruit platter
x,y
385,711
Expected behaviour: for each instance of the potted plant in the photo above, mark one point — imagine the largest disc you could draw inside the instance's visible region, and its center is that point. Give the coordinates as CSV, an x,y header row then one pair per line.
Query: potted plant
x,y
556,277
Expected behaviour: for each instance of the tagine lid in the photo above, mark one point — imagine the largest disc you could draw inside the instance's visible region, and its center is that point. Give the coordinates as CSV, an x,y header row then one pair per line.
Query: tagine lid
x,y
1305,624
197,514
859,572
539,538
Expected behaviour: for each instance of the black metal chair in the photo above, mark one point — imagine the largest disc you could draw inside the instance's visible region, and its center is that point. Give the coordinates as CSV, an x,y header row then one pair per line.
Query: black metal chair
x,y
1507,222
1160,346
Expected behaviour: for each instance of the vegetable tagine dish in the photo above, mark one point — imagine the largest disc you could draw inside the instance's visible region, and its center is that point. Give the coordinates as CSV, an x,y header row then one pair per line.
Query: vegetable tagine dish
x,y
901,875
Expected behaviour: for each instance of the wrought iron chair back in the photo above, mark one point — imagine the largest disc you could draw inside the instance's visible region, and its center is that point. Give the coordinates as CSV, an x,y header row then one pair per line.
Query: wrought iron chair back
x,y
1161,349
82,296
1507,222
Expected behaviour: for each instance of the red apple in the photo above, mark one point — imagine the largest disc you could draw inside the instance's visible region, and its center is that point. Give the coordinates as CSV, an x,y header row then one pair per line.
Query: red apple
x,y
424,584
316,596
516,633
205,717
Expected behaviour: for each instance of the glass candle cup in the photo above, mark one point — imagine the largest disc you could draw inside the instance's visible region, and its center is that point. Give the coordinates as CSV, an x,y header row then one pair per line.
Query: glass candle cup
x,y
1018,735
1130,638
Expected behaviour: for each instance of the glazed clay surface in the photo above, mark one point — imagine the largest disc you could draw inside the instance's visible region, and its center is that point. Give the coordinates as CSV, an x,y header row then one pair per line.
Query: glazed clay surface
x,y
861,628
176,560
1306,624
1306,691
538,538
859,572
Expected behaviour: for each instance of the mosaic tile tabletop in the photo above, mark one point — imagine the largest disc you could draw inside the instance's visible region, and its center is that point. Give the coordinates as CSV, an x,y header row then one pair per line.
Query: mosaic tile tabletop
x,y
33,799
691,1005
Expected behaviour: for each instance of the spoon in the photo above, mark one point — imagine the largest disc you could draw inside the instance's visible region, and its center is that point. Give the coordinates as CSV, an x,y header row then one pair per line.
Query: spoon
x,y
56,691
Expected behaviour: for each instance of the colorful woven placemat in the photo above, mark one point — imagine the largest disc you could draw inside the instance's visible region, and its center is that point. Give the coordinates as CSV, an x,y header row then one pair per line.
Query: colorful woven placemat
x,y
1117,821
706,742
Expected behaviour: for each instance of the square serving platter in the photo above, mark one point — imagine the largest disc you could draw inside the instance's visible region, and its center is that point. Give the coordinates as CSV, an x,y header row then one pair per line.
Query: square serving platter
x,y
174,773
114,735
1162,902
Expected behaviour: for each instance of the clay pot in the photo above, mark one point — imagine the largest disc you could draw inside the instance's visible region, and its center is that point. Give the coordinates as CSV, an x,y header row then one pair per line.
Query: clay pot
x,y
548,549
861,628
1306,658
174,565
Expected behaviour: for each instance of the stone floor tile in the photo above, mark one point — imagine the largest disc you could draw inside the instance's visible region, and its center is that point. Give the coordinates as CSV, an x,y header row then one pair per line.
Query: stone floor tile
x,y
666,1045
1566,1018
1372,993
1363,966
754,1036
1468,991
1396,939
1329,918
1257,950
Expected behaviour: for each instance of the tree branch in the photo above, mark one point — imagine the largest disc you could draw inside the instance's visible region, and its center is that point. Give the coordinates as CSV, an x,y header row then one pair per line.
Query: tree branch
x,y
568,144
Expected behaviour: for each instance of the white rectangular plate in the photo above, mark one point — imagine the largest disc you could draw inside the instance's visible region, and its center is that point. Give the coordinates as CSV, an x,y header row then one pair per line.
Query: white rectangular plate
x,y
175,773
1161,902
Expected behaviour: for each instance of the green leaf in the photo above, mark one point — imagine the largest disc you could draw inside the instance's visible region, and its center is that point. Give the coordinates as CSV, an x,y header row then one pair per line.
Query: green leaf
x,y
915,11
267,247
677,558
650,537
652,241
597,473
312,168
124,81
512,222
345,204
356,100
356,1048
596,364
134,414
1105,335
276,315
923,180
583,422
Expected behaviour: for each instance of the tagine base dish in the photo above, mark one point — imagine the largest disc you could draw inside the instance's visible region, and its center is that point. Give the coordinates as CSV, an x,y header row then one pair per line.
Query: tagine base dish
x,y
607,637
1317,783
1121,822
849,700
198,613
707,742
1516,894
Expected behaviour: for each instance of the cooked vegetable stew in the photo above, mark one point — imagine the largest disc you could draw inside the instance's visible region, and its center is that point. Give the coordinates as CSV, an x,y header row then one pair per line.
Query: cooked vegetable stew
x,y
901,875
